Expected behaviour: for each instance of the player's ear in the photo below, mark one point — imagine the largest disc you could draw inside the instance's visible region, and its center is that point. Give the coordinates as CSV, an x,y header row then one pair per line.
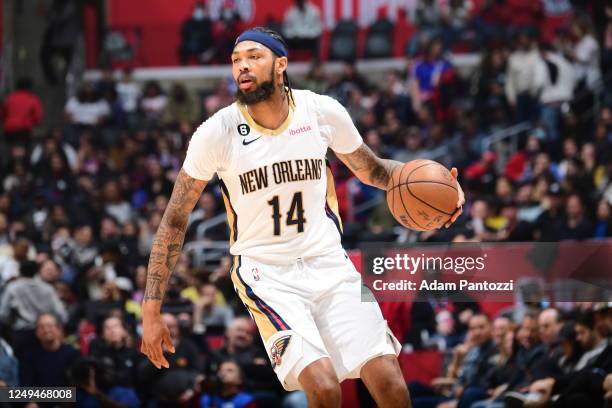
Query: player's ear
x,y
281,65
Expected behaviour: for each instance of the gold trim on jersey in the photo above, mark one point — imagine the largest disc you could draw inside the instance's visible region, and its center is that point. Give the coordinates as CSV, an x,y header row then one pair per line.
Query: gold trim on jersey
x,y
231,214
263,320
269,132
331,197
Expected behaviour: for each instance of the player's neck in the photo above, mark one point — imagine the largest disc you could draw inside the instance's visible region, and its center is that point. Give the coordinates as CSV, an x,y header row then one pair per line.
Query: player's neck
x,y
271,113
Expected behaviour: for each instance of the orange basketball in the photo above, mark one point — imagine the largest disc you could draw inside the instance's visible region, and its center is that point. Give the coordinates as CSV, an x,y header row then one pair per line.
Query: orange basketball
x,y
422,195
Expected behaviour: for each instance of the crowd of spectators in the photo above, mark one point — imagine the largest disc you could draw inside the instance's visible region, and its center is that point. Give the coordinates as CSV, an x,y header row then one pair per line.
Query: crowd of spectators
x,y
80,204
541,357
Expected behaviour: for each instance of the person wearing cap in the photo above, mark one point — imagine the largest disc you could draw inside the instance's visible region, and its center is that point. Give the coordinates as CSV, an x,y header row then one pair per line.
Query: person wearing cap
x,y
549,223
290,270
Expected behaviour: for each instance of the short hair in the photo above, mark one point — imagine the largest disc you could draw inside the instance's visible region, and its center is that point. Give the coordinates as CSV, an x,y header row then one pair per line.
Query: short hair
x,y
556,312
28,269
533,315
236,363
56,319
586,319
486,317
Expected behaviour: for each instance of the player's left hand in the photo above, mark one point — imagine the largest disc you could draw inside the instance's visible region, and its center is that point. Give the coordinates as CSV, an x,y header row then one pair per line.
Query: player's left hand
x,y
460,202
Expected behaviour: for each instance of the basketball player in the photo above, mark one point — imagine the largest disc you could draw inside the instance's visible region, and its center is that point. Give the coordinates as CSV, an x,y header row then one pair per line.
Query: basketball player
x,y
290,269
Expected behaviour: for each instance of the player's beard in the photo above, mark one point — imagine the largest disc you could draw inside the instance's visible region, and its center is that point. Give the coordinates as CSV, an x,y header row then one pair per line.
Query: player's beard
x,y
261,92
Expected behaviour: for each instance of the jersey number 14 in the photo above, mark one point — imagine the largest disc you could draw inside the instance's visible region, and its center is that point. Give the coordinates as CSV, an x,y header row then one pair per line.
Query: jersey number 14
x,y
295,215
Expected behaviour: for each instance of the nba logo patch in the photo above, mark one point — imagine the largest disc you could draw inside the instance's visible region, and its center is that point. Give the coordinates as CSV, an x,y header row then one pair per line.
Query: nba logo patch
x,y
256,273
278,349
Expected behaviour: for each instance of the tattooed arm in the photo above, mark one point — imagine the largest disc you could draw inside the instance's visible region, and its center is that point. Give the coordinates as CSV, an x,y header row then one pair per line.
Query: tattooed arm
x,y
164,253
369,168
374,171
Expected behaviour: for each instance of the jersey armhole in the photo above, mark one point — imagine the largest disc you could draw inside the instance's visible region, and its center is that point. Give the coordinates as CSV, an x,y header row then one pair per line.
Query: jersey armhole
x,y
312,111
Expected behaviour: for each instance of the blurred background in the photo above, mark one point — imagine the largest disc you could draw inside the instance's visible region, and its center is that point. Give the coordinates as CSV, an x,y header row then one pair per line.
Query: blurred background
x,y
99,100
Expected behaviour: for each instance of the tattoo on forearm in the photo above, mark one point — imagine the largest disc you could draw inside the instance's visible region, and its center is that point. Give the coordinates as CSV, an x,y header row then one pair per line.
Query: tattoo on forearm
x,y
153,290
170,235
363,160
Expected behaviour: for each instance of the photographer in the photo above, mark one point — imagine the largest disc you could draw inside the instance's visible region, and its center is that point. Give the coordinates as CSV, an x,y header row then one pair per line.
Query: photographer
x,y
86,376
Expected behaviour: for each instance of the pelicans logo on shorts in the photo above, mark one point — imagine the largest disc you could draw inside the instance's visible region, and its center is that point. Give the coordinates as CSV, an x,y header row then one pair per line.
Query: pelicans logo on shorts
x,y
278,349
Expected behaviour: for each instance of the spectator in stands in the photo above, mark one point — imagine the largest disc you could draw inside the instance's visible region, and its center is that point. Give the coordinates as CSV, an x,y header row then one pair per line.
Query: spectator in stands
x,y
557,90
239,341
252,358
49,271
525,78
9,366
481,176
153,103
105,86
315,80
230,391
203,226
114,204
85,250
302,27
24,300
10,263
93,391
487,84
548,224
128,95
178,382
469,360
577,225
46,362
174,302
19,113
185,355
428,76
603,226
141,281
498,377
87,109
549,325
571,351
585,386
208,313
181,108
197,36
533,360
585,52
114,351
501,326
222,97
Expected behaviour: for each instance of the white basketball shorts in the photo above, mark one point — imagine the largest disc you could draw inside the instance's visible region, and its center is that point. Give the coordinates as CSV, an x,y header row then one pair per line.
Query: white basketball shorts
x,y
312,309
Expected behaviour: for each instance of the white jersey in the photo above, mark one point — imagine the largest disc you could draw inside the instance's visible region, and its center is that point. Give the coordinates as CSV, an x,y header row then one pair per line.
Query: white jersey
x,y
277,187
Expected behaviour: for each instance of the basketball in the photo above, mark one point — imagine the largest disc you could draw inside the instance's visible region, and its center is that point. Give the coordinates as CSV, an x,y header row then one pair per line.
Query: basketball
x,y
422,195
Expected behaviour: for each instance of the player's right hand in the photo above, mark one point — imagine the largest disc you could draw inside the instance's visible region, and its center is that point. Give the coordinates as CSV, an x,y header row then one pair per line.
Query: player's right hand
x,y
155,335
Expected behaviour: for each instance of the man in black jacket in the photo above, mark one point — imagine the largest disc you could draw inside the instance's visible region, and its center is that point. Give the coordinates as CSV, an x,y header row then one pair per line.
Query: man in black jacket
x,y
584,387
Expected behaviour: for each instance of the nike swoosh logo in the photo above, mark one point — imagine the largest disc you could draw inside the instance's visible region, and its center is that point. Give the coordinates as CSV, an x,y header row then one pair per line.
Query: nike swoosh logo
x,y
244,142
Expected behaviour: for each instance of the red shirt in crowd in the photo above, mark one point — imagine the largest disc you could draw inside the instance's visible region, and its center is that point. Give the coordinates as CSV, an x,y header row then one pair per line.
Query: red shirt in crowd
x,y
21,111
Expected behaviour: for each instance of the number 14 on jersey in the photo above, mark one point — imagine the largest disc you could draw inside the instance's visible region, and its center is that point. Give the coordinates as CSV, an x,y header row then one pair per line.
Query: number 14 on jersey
x,y
295,215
